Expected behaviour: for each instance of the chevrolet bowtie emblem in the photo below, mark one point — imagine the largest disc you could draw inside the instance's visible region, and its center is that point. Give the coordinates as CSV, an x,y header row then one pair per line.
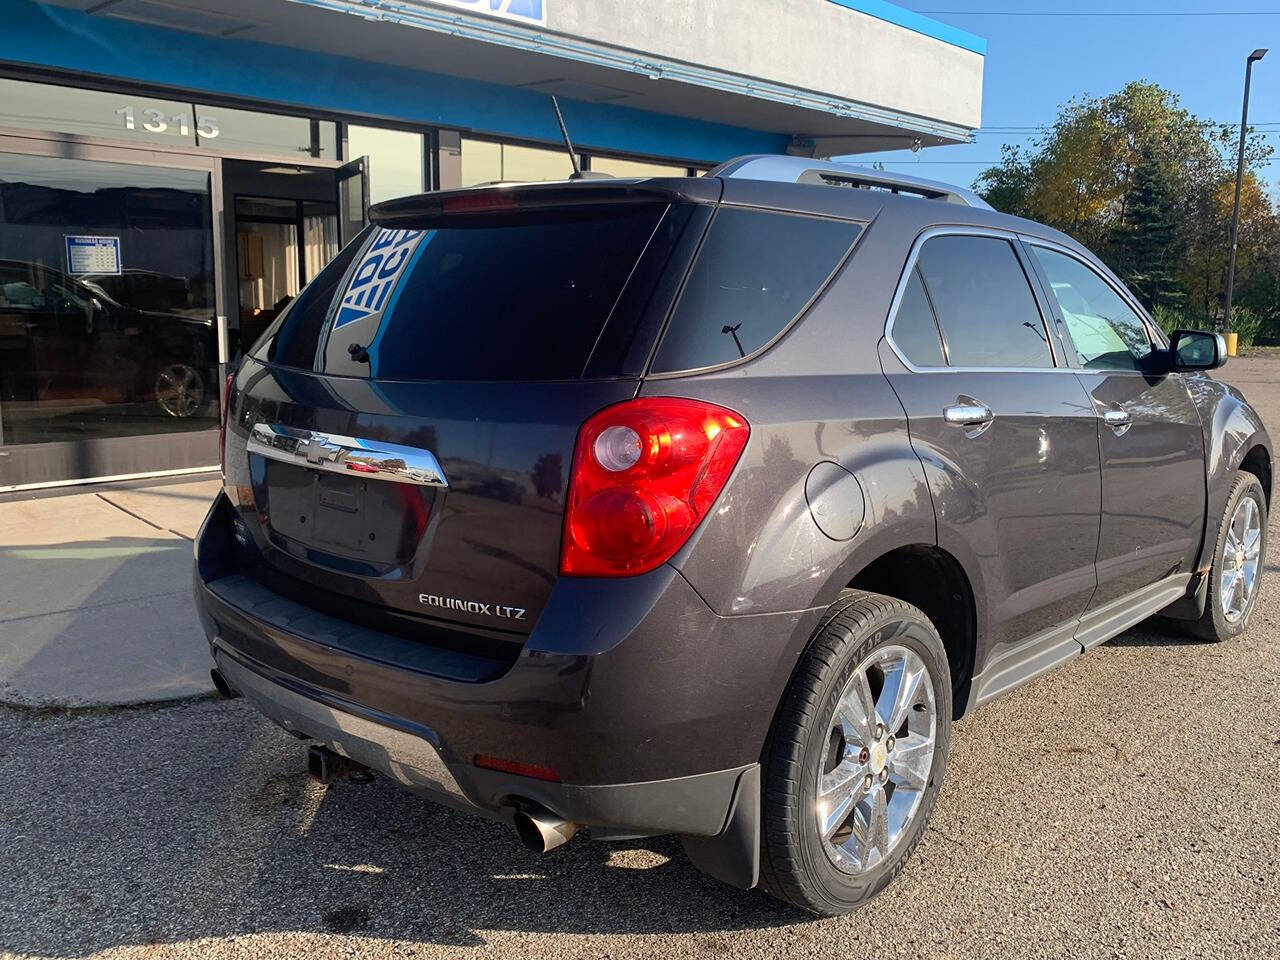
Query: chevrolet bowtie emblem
x,y
317,450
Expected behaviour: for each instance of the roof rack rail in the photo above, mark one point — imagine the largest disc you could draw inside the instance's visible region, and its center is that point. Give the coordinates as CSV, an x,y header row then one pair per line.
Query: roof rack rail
x,y
837,172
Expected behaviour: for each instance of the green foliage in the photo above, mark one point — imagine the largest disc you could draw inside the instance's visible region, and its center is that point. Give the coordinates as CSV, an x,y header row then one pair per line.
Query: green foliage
x,y
1170,319
1146,244
1149,187
1246,324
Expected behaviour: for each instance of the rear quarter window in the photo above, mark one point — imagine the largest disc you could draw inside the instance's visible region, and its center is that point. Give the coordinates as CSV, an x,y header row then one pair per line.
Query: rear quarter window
x,y
755,273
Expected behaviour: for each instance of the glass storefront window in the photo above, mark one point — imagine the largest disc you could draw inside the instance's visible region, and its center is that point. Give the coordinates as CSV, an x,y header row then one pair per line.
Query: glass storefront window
x,y
635,168
485,161
93,113
124,116
247,131
481,162
396,160
534,163
106,300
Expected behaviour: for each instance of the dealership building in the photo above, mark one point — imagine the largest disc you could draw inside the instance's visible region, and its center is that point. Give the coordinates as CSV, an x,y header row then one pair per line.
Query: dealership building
x,y
173,171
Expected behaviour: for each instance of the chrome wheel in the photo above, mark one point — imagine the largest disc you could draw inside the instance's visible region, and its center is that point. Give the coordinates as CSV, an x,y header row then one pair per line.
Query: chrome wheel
x,y
179,390
1241,556
876,767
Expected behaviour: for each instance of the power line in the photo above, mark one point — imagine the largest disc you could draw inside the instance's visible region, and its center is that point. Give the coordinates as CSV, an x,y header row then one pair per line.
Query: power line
x,y
946,163
1101,13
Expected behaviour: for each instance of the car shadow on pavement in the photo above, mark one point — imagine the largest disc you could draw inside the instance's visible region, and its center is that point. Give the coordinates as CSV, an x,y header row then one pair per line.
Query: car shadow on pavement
x,y
1155,632
170,825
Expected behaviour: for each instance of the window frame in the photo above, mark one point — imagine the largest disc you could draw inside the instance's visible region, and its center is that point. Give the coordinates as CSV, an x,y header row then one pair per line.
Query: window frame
x,y
1059,356
943,347
1158,340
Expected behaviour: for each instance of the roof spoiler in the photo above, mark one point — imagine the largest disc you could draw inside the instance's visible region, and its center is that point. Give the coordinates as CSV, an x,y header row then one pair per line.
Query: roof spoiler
x,y
506,199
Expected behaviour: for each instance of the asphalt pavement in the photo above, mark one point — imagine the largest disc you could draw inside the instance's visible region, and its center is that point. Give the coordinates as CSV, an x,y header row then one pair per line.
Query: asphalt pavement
x,y
1127,805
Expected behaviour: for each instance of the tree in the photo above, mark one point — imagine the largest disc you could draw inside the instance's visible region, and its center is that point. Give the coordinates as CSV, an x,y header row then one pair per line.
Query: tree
x,y
1147,244
1140,180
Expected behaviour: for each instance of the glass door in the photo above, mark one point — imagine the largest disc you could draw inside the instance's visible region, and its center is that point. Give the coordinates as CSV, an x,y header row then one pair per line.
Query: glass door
x,y
280,245
353,197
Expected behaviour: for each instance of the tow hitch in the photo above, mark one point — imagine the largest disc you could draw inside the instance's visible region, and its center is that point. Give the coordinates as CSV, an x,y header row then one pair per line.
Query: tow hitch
x,y
325,766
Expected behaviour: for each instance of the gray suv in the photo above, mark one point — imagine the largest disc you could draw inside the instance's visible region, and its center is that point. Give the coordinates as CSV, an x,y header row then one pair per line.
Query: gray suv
x,y
707,506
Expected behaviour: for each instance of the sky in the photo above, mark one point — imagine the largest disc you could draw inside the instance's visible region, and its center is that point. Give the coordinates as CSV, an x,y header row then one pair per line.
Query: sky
x,y
1196,48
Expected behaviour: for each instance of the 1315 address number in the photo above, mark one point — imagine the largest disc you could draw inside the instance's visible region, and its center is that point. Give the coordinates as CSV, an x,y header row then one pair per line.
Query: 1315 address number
x,y
157,121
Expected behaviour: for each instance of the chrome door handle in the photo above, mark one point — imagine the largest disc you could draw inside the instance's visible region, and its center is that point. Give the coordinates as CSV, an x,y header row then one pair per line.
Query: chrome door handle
x,y
968,414
372,459
1117,419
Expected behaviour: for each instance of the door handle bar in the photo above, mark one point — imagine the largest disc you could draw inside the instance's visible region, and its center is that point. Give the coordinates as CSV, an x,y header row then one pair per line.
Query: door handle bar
x,y
1116,418
967,414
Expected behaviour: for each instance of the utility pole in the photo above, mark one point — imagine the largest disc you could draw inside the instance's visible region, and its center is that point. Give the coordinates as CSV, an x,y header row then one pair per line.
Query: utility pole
x,y
1235,208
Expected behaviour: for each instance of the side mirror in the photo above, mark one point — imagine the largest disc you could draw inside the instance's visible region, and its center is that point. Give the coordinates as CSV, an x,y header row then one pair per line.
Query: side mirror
x,y
1197,350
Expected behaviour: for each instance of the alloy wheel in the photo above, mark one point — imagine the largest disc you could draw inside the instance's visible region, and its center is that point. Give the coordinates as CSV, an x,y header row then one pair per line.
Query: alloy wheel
x,y
880,752
1241,557
179,390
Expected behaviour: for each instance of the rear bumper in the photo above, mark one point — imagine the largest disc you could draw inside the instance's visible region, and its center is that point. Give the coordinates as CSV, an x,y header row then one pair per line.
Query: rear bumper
x,y
651,709
415,757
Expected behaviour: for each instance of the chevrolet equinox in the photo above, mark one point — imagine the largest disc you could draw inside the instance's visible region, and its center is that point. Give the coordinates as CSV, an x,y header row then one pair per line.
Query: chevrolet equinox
x,y
706,506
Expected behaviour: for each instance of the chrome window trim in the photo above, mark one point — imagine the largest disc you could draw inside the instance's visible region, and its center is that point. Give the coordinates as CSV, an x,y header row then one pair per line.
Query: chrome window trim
x,y
963,230
1154,333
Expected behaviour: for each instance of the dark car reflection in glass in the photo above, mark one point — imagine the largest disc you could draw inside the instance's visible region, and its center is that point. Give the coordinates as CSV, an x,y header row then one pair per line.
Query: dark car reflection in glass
x,y
82,355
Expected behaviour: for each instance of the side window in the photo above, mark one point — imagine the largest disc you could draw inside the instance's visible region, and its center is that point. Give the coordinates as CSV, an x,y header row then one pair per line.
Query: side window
x,y
915,331
754,274
1107,333
18,292
984,303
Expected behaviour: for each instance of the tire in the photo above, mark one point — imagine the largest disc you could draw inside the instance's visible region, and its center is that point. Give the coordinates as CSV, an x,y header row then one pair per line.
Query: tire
x,y
862,636
1218,622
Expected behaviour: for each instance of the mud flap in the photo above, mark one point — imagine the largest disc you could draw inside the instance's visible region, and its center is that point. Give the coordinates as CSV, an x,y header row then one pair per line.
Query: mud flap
x,y
733,855
1191,606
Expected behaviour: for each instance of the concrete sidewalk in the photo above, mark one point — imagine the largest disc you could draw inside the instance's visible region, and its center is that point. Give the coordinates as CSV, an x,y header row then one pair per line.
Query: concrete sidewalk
x,y
95,596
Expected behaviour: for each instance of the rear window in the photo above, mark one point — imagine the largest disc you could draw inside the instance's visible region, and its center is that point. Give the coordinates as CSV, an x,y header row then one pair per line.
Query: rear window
x,y
523,297
754,274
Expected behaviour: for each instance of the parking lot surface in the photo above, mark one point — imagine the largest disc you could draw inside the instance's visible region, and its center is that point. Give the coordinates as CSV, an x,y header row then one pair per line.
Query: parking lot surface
x,y
1125,806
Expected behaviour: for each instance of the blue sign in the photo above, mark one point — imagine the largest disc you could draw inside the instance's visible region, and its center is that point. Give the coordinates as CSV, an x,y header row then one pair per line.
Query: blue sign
x,y
530,10
93,254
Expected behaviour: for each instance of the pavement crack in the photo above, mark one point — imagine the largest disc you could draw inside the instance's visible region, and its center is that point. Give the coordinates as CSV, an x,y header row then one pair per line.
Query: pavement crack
x,y
93,606
137,516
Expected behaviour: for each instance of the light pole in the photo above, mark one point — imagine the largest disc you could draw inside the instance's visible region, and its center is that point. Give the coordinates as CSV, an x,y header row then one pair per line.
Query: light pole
x,y
1235,207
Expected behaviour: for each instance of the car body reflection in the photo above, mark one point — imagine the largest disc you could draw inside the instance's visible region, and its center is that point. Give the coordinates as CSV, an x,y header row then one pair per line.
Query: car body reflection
x,y
67,344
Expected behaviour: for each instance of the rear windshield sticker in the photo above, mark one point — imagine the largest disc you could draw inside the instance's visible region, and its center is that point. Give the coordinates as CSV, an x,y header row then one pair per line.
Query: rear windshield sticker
x,y
376,276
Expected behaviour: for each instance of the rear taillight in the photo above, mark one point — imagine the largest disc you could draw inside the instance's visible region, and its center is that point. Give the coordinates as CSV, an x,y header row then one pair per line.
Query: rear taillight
x,y
645,473
222,424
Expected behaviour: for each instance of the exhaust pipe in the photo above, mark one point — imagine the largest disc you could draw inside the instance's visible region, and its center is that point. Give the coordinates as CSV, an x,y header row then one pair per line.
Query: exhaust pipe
x,y
325,766
225,690
541,830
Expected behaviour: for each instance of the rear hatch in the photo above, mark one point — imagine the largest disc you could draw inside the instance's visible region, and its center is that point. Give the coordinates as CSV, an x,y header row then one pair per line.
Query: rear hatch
x,y
408,423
